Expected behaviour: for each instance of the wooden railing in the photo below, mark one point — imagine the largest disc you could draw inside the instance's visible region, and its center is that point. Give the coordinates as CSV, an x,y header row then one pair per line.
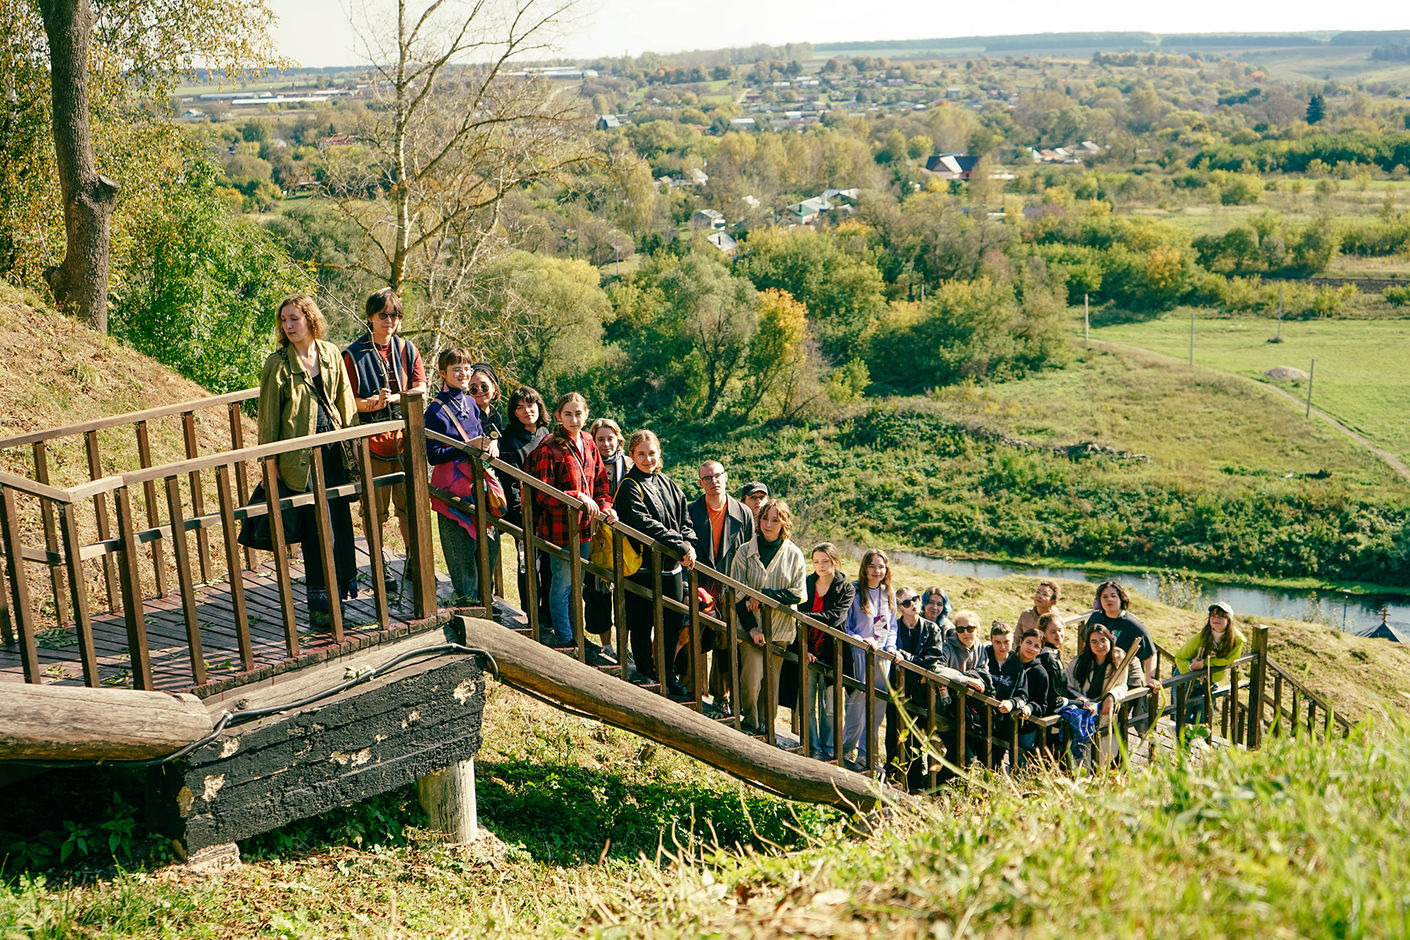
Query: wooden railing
x,y
929,703
134,502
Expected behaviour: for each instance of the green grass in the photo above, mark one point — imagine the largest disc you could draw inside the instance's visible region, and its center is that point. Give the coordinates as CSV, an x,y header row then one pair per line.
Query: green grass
x,y
1301,839
1360,376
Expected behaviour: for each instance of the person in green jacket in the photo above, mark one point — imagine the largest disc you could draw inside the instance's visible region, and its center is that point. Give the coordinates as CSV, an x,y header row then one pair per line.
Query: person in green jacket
x,y
1217,645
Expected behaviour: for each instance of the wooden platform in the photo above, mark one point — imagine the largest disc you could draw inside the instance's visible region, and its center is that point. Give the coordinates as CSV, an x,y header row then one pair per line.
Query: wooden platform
x,y
166,633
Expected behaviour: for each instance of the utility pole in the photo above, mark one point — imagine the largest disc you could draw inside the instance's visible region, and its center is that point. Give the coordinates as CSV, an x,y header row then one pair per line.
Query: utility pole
x,y
1310,373
1086,318
1280,316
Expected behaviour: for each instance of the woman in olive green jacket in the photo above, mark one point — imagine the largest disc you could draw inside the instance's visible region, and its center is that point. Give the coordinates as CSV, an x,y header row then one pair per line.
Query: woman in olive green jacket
x,y
304,390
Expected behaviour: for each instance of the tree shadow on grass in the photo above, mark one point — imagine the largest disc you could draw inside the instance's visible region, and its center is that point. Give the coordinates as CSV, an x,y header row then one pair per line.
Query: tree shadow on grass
x,y
565,814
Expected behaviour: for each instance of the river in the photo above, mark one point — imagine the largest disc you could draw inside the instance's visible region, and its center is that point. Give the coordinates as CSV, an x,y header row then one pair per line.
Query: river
x,y
1356,613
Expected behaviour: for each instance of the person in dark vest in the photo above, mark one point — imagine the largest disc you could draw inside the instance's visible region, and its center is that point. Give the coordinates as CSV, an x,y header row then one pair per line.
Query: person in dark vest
x,y
381,367
721,524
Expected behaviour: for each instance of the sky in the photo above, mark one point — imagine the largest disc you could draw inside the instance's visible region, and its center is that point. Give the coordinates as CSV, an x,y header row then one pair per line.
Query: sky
x,y
318,32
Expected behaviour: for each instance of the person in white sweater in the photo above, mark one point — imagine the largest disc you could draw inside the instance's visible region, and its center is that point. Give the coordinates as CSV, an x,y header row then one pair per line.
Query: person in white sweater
x,y
772,565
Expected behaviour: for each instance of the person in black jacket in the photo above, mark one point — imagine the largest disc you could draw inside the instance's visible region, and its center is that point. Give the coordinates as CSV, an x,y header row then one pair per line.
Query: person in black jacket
x,y
652,503
721,524
917,642
1112,612
827,597
527,427
1025,691
963,658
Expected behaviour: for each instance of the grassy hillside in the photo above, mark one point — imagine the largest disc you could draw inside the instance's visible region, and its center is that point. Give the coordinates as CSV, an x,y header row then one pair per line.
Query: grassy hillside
x,y
56,372
1130,459
606,838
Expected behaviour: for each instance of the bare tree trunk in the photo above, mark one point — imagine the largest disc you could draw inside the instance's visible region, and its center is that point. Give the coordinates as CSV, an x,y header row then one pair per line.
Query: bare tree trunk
x,y
80,281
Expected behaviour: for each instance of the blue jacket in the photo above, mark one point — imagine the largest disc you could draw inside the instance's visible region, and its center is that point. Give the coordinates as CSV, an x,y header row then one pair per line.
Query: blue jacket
x,y
451,405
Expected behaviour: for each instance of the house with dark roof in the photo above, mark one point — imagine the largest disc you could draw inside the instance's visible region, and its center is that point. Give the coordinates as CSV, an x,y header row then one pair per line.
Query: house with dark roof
x,y
951,166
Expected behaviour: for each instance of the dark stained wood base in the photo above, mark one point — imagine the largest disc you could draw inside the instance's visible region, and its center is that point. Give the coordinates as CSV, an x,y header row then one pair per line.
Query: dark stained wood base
x,y
417,718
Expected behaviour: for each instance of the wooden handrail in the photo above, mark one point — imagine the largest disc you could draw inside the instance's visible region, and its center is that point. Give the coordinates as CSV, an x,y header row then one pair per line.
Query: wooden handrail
x,y
31,488
131,417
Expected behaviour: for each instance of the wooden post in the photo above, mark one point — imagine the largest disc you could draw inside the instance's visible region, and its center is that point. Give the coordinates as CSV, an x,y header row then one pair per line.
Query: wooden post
x,y
203,543
575,578
839,696
1086,318
485,577
51,534
182,553
1257,681
531,570
869,726
619,608
242,483
372,531
318,483
154,515
732,647
130,578
21,611
418,506
658,621
78,590
1277,726
697,657
234,569
281,555
770,694
100,516
448,796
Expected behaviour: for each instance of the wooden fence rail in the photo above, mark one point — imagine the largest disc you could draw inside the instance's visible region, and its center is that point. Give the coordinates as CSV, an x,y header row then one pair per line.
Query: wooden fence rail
x,y
143,520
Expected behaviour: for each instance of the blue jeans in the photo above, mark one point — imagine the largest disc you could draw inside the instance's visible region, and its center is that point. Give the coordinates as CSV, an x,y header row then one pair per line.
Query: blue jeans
x,y
462,555
819,696
560,595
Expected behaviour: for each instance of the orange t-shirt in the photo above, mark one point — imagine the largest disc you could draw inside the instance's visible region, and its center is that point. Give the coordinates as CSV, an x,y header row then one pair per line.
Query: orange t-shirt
x,y
717,526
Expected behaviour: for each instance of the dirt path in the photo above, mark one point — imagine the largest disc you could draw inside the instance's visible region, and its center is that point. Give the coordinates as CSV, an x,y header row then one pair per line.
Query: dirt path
x,y
1386,457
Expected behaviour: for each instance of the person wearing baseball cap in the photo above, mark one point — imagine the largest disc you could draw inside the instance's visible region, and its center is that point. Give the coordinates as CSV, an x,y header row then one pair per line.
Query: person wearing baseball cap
x,y
1211,650
754,495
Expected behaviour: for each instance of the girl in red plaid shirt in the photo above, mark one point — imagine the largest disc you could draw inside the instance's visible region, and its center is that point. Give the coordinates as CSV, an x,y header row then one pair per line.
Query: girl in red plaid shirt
x,y
568,460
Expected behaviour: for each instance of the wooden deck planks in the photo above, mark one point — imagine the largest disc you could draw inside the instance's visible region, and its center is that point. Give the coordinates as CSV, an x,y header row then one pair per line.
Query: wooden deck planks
x,y
165,624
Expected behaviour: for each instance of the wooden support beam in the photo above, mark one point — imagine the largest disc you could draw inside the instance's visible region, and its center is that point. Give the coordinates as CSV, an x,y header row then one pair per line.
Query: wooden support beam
x,y
52,722
448,796
528,665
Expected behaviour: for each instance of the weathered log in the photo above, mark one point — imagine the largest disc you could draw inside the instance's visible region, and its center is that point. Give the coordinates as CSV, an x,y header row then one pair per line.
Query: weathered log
x,y
50,722
448,797
569,684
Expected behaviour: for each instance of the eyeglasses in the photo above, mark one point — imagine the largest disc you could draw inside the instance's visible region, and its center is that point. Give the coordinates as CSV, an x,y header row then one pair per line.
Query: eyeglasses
x,y
712,477
482,388
384,315
959,629
907,602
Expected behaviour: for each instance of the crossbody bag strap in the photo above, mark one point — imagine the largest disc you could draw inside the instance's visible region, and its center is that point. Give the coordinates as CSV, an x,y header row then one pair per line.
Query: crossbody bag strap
x,y
322,397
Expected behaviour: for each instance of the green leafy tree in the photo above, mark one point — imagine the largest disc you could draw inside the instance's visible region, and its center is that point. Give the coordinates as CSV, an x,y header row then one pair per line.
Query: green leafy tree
x,y
540,318
778,354
200,287
843,291
1316,109
121,48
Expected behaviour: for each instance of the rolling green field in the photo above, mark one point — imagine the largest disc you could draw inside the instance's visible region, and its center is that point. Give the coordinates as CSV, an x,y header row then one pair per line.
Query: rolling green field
x,y
1362,375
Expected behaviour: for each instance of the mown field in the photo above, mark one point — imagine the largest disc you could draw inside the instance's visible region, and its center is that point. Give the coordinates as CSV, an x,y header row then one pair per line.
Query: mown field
x,y
1362,375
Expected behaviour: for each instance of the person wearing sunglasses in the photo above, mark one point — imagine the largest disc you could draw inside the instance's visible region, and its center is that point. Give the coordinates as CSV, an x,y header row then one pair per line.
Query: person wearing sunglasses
x,y
484,388
382,367
917,642
963,659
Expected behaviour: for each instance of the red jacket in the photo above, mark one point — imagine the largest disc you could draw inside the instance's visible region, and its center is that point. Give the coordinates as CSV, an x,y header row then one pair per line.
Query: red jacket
x,y
577,471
